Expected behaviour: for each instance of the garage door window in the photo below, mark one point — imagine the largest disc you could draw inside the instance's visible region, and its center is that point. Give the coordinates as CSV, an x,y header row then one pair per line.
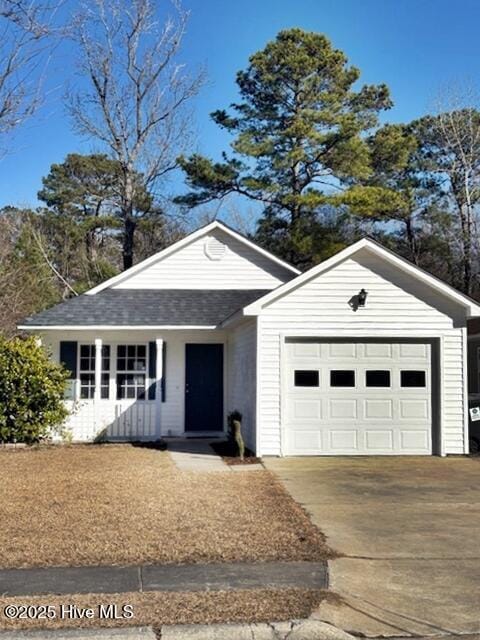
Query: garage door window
x,y
377,378
412,378
342,378
305,378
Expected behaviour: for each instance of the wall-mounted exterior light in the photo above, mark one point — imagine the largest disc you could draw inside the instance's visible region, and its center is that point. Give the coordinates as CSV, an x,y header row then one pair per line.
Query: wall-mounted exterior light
x,y
362,297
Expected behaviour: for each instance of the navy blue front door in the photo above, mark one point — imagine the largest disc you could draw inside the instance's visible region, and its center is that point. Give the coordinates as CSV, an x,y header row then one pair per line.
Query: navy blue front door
x,y
204,387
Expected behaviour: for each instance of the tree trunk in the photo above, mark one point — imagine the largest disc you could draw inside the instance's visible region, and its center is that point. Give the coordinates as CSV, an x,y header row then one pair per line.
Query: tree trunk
x,y
89,240
466,227
412,241
128,238
129,221
468,256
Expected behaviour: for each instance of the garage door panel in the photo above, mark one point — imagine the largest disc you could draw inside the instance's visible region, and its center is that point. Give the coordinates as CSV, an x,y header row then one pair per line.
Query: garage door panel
x,y
414,440
306,442
342,350
303,409
343,439
342,408
379,439
417,351
306,349
378,409
415,409
366,418
377,350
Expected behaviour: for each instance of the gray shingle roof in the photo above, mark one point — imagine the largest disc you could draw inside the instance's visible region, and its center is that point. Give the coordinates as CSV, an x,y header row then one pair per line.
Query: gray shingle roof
x,y
182,307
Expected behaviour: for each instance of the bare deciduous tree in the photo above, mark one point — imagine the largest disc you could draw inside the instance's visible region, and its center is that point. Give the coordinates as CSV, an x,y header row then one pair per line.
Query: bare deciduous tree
x,y
453,153
24,37
11,296
135,103
20,278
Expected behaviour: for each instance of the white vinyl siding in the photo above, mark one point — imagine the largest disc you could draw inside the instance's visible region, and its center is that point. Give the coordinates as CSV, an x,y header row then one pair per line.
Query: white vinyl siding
x,y
242,360
455,372
241,267
397,306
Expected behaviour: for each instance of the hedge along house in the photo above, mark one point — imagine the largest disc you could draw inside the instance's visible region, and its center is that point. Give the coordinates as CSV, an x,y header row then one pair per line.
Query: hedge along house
x,y
362,354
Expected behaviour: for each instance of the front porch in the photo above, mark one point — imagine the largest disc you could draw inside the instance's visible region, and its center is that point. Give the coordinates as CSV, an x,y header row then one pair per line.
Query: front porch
x,y
141,384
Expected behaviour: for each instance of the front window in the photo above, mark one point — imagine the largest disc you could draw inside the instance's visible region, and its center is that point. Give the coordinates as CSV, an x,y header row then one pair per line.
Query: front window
x,y
131,371
87,371
105,376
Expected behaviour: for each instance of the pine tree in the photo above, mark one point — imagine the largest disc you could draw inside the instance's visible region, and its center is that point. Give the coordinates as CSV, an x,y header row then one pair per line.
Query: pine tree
x,y
299,137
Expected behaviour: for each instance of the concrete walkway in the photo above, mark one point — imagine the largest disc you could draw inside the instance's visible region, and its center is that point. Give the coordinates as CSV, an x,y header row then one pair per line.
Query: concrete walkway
x,y
292,630
192,577
408,529
193,454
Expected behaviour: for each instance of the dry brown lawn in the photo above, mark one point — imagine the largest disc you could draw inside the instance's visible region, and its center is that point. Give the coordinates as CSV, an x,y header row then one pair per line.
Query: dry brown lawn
x,y
160,608
120,504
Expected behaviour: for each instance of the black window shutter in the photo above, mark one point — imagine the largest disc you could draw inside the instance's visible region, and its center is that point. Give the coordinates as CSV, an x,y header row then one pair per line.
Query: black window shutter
x,y
164,372
68,356
152,369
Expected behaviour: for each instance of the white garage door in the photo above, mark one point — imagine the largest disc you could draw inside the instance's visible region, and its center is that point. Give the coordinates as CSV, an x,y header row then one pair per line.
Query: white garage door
x,y
345,398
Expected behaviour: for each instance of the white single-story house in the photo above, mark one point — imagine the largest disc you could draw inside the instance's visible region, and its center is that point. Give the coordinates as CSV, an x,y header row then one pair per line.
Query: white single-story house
x,y
363,354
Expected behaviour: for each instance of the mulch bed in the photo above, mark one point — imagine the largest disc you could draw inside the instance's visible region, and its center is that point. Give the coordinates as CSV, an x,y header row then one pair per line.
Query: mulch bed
x,y
227,449
120,504
157,608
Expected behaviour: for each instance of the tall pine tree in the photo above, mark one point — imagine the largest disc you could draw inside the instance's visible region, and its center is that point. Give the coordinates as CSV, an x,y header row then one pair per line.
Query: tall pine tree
x,y
299,137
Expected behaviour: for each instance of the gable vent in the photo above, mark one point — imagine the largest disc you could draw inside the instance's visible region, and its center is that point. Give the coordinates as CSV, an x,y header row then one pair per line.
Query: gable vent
x,y
214,249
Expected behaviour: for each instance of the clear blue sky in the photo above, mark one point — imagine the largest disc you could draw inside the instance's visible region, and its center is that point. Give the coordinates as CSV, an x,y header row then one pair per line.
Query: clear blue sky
x,y
414,46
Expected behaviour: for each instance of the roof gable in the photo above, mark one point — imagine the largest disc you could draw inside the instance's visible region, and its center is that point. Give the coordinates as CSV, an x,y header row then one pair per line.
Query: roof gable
x,y
214,256
374,248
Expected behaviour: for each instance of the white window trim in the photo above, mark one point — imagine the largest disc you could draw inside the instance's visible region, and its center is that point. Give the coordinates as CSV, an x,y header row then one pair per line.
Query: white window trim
x,y
113,372
147,368
78,384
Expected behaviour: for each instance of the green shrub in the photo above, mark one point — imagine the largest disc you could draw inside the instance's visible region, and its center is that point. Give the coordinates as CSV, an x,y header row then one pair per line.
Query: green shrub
x,y
31,391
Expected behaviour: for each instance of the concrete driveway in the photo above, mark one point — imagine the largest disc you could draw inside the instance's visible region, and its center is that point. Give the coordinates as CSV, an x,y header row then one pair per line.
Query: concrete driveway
x,y
408,531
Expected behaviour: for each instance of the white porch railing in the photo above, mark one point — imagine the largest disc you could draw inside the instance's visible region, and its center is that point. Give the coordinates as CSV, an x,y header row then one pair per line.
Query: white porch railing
x,y
112,420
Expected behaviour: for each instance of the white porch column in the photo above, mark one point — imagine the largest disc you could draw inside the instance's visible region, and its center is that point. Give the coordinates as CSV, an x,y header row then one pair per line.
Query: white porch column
x,y
158,390
98,368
